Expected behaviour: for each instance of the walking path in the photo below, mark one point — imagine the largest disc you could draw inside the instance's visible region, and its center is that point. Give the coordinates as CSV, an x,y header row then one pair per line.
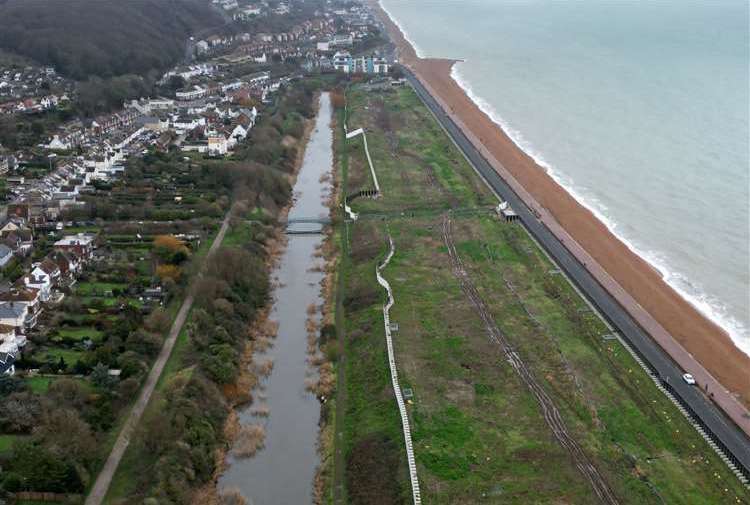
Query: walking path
x,y
103,481
394,376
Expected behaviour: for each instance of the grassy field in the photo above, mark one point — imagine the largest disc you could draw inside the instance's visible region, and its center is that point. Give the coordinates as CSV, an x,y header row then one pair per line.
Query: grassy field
x,y
478,432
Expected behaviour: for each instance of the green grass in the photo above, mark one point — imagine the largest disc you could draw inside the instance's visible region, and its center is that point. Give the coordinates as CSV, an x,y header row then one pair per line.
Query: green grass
x,y
80,333
54,354
38,385
478,432
98,288
7,441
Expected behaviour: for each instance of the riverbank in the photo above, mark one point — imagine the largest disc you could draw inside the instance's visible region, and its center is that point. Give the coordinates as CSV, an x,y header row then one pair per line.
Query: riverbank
x,y
293,376
700,337
262,331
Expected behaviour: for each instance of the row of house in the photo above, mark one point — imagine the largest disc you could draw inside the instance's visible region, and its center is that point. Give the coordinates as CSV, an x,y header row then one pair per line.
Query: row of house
x,y
344,62
22,303
32,89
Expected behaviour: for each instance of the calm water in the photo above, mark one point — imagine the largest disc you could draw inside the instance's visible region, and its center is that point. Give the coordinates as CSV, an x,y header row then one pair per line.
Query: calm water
x,y
283,472
639,109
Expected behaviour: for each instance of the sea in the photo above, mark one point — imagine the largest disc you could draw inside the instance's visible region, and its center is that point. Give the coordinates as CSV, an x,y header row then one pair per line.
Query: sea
x,y
639,109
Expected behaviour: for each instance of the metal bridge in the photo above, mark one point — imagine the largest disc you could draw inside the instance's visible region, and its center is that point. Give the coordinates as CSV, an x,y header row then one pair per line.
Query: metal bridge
x,y
310,220
293,225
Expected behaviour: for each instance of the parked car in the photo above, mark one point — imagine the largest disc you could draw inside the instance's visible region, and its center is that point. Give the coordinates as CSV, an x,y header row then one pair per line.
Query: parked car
x,y
688,378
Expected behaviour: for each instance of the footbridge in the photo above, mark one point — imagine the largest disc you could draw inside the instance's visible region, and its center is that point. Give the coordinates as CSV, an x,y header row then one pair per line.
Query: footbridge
x,y
306,225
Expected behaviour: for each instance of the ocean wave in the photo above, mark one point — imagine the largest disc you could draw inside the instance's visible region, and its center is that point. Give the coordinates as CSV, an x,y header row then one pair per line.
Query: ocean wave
x,y
406,35
708,305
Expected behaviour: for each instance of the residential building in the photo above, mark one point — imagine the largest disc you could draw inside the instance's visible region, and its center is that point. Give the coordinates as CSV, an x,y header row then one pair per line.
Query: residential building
x,y
6,255
81,244
8,349
15,299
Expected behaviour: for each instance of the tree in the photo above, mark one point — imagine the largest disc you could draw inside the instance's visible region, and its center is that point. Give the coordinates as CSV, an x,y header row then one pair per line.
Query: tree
x,y
61,365
20,412
65,434
41,470
171,272
67,393
100,376
170,249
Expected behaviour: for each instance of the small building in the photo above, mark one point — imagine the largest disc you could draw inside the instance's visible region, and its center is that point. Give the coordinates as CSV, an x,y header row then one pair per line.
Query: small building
x,y
81,244
506,212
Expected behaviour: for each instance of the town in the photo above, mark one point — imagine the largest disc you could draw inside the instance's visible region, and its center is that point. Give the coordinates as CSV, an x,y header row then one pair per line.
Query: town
x,y
262,251
211,112
102,216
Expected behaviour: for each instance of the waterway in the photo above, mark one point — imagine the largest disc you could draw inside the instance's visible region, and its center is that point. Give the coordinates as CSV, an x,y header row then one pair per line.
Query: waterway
x,y
283,471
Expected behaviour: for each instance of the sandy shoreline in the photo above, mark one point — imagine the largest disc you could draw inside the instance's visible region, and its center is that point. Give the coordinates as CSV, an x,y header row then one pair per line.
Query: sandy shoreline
x,y
676,324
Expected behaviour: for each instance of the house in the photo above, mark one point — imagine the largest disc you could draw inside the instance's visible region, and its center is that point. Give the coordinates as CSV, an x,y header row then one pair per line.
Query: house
x,y
20,241
39,281
191,94
69,264
345,40
52,269
81,244
17,299
8,349
57,144
217,144
6,254
13,314
342,61
11,225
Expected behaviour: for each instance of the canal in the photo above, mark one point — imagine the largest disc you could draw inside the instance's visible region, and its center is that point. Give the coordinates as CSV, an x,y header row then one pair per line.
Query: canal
x,y
283,471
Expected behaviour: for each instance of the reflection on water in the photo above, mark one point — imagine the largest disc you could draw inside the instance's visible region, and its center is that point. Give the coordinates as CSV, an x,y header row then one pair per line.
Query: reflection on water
x,y
283,471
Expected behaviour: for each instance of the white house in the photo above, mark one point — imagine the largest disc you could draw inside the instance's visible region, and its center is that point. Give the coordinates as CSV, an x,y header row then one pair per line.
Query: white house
x,y
217,144
40,280
8,349
6,254
342,61
57,143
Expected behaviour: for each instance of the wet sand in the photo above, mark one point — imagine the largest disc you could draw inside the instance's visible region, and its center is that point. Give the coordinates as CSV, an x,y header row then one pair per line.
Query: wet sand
x,y
695,342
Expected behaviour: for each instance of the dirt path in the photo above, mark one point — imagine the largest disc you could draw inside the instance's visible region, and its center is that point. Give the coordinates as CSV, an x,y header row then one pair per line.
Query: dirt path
x,y
549,411
103,481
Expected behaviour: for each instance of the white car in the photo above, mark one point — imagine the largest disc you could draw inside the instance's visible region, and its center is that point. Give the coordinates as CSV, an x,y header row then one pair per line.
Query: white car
x,y
688,378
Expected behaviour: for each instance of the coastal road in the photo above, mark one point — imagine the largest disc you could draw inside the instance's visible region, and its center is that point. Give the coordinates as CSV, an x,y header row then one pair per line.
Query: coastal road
x,y
726,434
104,479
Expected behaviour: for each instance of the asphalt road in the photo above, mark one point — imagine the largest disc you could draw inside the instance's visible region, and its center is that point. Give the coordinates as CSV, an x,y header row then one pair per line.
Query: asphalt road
x,y
104,479
724,432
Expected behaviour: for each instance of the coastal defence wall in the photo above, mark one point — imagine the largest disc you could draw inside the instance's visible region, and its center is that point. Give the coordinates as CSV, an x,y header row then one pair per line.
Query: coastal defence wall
x,y
663,354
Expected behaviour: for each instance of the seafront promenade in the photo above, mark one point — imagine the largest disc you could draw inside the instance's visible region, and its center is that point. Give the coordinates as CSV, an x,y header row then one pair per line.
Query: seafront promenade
x,y
664,355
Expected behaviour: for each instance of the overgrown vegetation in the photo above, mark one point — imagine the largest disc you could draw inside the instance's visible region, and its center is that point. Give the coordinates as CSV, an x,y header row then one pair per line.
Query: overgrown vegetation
x,y
478,433
175,449
66,417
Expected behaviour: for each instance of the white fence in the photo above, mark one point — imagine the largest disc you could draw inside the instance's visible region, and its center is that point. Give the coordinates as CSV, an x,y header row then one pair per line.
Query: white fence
x,y
394,375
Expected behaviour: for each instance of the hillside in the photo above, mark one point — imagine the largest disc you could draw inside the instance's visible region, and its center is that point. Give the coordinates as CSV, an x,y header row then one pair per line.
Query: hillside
x,y
105,38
